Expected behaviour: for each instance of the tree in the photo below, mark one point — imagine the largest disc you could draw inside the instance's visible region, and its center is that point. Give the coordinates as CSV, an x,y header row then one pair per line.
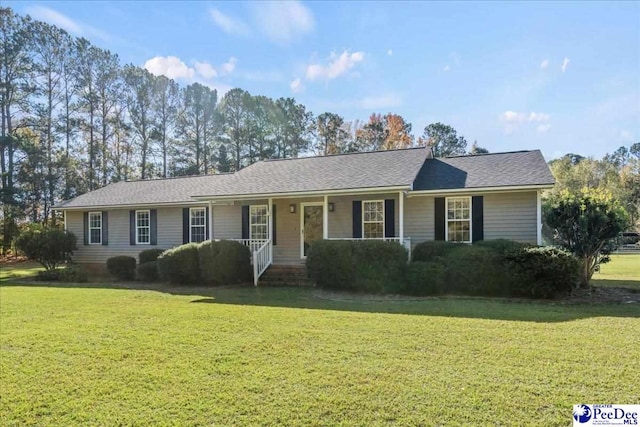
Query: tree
x,y
330,134
234,112
443,140
139,84
585,223
476,149
50,247
372,135
398,132
166,101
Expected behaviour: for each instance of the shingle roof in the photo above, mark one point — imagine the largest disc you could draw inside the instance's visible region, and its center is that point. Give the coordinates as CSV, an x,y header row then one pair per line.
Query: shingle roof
x,y
484,170
395,168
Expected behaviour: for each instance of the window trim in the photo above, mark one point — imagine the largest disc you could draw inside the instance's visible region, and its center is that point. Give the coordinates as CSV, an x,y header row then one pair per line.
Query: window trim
x,y
89,228
447,220
374,222
148,212
203,226
251,224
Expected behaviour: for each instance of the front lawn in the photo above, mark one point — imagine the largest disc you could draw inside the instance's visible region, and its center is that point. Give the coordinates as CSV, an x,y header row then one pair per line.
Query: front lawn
x,y
18,270
281,356
622,271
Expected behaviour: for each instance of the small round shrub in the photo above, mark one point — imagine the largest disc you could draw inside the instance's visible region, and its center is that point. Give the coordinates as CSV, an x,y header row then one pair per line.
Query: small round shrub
x,y
330,264
122,267
149,255
180,265
476,270
148,272
224,262
50,247
74,274
428,251
425,278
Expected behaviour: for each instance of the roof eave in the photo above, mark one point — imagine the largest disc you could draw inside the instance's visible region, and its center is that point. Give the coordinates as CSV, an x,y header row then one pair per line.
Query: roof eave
x,y
495,189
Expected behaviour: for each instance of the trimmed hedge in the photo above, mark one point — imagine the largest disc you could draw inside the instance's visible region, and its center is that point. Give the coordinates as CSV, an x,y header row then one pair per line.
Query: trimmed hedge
x,y
180,265
425,278
368,265
476,270
74,274
502,247
149,255
430,250
122,267
224,262
148,272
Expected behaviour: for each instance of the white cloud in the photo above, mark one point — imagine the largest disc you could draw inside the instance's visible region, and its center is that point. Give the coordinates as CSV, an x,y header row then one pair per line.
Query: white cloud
x,y
446,68
538,117
170,66
283,21
76,28
565,63
337,66
390,52
543,128
296,85
229,66
544,64
513,120
204,69
228,24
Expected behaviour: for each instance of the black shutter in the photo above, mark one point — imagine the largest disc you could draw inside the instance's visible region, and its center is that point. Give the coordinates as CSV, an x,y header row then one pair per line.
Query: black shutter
x,y
477,218
153,227
439,218
85,225
389,218
105,228
357,219
274,222
132,228
207,232
245,222
185,225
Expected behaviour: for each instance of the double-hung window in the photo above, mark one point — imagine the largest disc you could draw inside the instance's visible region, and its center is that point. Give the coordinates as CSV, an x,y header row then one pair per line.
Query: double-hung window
x,y
197,224
259,222
143,227
95,228
459,219
373,219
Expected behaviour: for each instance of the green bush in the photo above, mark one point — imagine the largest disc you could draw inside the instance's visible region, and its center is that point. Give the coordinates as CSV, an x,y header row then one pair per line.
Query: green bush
x,y
180,265
148,272
49,275
74,274
50,247
428,251
366,265
542,272
425,278
122,267
476,270
502,247
225,262
149,255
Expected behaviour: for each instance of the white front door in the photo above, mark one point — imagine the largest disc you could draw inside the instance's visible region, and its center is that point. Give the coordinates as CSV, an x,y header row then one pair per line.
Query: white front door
x,y
311,226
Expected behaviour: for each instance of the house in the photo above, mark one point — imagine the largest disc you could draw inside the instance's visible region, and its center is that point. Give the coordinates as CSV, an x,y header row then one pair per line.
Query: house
x,y
278,207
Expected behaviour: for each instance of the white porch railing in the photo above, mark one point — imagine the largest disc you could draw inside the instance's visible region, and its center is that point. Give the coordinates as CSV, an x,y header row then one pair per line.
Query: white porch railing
x,y
253,244
261,255
406,242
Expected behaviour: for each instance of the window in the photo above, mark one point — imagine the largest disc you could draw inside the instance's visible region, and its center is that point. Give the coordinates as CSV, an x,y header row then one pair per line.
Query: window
x,y
95,228
143,228
459,219
373,219
258,222
197,224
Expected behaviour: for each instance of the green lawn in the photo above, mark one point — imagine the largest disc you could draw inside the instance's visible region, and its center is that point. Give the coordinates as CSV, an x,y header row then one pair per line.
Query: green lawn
x,y
279,356
19,270
623,270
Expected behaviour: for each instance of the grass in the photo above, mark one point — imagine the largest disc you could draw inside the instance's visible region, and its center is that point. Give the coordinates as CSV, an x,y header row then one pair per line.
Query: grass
x,y
96,355
18,270
622,271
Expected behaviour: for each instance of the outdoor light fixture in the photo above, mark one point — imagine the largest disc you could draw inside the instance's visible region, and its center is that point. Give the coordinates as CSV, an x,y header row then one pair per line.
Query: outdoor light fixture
x,y
292,208
331,206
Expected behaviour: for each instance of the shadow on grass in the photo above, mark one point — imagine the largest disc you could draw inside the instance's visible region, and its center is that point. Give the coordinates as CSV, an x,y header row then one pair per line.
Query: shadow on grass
x,y
632,285
313,299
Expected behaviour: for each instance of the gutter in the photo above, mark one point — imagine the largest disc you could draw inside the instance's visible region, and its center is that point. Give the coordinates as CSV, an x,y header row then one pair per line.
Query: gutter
x,y
505,188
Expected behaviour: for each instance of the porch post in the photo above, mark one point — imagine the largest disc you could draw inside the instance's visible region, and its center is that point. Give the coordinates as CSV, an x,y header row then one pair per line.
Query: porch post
x,y
65,219
210,225
325,218
401,213
539,217
269,209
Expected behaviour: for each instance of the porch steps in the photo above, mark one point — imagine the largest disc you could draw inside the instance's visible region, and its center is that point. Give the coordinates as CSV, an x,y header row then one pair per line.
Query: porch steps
x,y
285,275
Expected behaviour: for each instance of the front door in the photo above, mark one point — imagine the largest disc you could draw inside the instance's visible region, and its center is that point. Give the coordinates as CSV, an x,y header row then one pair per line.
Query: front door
x,y
311,228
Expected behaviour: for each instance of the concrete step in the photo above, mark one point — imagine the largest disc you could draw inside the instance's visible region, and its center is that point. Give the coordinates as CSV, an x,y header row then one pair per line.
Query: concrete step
x,y
285,275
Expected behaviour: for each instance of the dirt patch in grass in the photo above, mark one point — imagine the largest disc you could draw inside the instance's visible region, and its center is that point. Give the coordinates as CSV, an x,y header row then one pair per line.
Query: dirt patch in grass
x,y
605,295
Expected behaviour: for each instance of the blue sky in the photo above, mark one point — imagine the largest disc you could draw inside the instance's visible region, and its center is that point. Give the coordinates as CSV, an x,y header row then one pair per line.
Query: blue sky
x,y
562,77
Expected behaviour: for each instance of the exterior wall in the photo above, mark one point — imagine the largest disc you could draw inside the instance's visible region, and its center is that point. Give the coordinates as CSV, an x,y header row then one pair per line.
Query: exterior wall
x,y
341,219
511,216
419,219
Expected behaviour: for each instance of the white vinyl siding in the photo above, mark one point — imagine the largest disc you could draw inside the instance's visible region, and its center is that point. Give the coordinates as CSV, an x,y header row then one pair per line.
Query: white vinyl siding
x,y
458,219
373,219
143,227
258,222
95,228
197,225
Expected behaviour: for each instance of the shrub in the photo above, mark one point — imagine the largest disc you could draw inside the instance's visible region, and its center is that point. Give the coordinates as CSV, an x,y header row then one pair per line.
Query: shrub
x,y
148,272
49,275
122,267
74,274
428,251
149,255
425,278
476,270
367,265
502,247
50,247
224,262
180,265
543,272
